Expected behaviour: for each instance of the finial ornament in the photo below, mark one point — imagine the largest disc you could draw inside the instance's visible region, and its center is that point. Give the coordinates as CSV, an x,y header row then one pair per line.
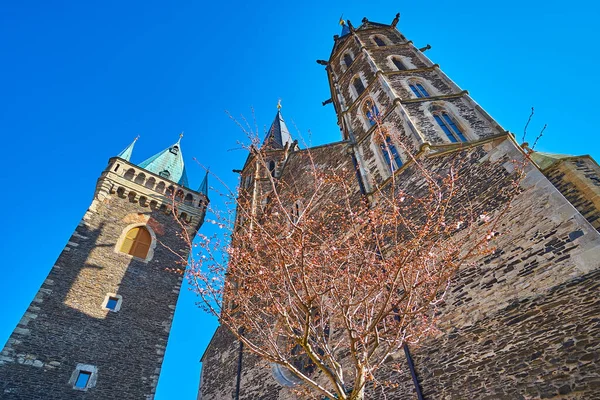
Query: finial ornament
x,y
279,104
342,22
180,136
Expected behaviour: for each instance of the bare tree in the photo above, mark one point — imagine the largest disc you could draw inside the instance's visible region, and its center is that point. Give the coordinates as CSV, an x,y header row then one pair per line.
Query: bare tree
x,y
312,275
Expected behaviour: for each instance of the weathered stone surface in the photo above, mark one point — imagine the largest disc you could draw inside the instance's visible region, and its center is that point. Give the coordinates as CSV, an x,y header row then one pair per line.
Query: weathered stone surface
x,y
66,324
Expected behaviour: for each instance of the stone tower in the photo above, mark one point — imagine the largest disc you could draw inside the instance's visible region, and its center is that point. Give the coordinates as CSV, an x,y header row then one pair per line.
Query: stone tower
x,y
98,327
521,322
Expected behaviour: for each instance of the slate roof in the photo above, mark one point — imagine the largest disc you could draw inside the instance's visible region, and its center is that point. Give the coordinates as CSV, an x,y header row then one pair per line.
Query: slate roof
x,y
278,135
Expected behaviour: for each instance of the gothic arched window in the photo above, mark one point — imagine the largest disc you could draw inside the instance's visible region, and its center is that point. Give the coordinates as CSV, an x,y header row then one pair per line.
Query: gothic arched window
x,y
418,89
137,242
390,154
348,60
378,41
272,166
398,63
450,128
370,111
358,86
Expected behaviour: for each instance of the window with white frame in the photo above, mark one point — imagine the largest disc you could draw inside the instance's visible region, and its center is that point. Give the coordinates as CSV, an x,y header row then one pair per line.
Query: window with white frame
x,y
112,302
390,154
398,63
370,111
449,126
84,377
358,86
418,89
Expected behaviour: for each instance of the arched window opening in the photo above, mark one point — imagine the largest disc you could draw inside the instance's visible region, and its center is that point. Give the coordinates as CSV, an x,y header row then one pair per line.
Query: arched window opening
x,y
132,195
184,217
449,127
390,154
370,111
153,204
121,192
143,201
137,242
160,187
272,166
189,199
378,41
165,174
348,60
150,183
418,90
174,150
399,65
129,174
117,167
170,191
358,86
140,179
179,195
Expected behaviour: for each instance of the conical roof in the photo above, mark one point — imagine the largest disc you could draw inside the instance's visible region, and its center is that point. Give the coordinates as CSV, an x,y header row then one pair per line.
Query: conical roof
x,y
168,164
126,153
278,135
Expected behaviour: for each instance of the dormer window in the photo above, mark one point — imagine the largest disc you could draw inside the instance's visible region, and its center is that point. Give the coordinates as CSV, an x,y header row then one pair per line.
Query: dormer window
x,y
174,150
165,174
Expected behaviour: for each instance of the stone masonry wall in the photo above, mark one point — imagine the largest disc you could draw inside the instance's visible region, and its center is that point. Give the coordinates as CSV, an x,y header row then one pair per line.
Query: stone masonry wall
x,y
66,325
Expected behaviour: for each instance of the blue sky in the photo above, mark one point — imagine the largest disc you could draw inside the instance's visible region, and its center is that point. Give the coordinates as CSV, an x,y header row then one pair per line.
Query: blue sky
x,y
79,80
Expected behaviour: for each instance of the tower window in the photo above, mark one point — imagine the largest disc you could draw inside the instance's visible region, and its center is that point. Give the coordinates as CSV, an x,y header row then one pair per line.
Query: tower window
x,y
450,128
348,60
174,150
399,65
358,86
137,242
379,41
83,379
370,111
112,302
390,154
165,174
418,90
272,168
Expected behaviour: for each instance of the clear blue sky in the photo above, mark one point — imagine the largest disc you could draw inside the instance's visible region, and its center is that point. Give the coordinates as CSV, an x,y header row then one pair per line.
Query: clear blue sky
x,y
79,80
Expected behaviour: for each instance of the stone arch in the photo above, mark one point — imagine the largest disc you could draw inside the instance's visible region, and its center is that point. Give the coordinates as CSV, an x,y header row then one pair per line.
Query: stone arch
x,y
189,199
129,174
123,237
140,178
150,183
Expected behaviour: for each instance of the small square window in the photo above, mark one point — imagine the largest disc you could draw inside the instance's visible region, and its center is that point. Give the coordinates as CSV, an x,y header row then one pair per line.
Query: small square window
x,y
83,379
112,302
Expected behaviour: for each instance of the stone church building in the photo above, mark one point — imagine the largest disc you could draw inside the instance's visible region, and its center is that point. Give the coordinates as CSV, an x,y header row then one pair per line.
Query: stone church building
x,y
524,323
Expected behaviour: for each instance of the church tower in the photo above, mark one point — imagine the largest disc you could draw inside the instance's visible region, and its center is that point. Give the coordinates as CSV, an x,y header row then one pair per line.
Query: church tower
x,y
98,326
521,322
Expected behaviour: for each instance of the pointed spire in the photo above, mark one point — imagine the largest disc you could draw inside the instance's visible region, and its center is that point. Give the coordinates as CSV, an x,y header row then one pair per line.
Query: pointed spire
x,y
278,135
345,28
204,185
126,154
168,164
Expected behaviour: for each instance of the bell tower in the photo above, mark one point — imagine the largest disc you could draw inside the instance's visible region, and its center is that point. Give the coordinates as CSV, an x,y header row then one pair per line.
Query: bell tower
x,y
98,327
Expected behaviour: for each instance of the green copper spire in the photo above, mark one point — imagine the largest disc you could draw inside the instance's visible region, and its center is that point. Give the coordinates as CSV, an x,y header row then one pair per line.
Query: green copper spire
x,y
204,185
126,154
168,164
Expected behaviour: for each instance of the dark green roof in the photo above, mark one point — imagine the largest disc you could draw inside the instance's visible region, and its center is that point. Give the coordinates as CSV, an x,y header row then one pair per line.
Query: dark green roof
x,y
278,135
